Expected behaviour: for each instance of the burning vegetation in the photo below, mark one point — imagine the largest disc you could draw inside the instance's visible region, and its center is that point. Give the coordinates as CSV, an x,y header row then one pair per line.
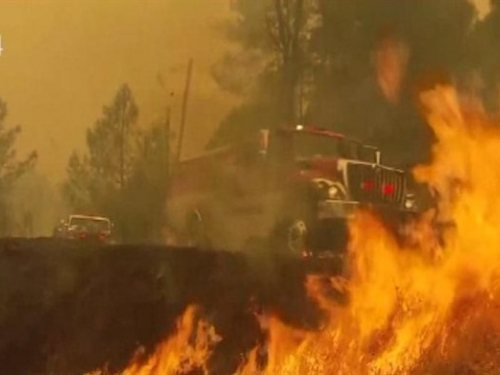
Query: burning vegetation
x,y
427,302
429,308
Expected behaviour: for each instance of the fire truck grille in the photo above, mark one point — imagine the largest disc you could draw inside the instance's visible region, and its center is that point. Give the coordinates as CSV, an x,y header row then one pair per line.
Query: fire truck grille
x,y
375,184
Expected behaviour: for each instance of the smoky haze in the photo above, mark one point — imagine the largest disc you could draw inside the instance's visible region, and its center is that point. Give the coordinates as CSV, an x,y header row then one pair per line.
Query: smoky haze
x,y
62,61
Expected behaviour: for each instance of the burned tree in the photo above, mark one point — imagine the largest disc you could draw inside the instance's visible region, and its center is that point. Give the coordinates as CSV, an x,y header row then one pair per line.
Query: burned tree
x,y
267,69
11,168
111,141
124,173
285,27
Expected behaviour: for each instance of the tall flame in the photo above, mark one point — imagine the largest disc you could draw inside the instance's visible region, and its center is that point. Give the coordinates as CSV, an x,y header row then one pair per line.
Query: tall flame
x,y
185,352
407,307
411,310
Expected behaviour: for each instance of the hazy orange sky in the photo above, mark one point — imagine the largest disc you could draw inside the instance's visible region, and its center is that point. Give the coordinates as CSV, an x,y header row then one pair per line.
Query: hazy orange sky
x,y
63,60
483,6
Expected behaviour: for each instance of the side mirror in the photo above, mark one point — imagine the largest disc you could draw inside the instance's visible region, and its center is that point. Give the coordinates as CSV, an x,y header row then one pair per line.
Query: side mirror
x,y
378,157
263,141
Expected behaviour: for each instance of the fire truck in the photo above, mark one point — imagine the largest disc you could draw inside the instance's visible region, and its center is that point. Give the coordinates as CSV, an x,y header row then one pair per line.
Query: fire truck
x,y
294,186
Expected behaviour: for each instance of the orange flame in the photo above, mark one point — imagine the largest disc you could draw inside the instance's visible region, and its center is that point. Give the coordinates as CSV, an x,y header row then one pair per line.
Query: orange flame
x,y
407,309
422,309
187,350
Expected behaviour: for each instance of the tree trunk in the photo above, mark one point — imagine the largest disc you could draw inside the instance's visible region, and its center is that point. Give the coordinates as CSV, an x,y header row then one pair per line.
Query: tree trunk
x,y
289,27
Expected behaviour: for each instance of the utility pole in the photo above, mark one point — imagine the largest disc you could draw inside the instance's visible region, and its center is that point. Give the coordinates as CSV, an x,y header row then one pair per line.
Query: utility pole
x,y
183,114
167,128
301,99
168,164
167,141
122,147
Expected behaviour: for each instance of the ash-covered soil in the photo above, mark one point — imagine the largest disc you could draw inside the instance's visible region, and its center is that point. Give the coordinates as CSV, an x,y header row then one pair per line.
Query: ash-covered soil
x,y
67,308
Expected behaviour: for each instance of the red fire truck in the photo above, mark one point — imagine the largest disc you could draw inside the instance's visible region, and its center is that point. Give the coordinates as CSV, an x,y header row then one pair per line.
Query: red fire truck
x,y
295,186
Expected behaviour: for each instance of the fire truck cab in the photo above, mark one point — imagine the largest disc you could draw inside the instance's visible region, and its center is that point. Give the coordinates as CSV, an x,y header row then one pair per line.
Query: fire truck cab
x,y
294,185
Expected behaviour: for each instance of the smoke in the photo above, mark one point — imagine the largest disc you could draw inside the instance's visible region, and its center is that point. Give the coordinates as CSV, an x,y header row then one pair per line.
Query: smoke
x,y
58,73
391,64
35,206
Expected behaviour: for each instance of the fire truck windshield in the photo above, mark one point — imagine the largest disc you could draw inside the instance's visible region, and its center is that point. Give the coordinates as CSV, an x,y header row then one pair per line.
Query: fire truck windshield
x,y
91,224
307,145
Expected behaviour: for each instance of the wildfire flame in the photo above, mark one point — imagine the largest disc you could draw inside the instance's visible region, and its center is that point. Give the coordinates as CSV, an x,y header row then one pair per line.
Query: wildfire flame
x,y
187,351
410,312
405,307
431,308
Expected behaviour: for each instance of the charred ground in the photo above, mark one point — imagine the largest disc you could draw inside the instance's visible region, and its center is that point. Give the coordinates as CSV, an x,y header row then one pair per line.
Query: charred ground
x,y
69,309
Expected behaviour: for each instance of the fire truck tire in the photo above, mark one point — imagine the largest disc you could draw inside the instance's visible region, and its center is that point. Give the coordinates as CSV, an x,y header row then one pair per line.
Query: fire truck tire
x,y
291,237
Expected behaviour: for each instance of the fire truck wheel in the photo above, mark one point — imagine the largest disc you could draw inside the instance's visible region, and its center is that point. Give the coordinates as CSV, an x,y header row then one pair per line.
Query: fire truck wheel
x,y
297,237
291,237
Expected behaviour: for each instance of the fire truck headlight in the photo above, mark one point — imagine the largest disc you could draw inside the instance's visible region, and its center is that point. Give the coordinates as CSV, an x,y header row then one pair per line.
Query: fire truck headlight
x,y
410,202
328,190
333,192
